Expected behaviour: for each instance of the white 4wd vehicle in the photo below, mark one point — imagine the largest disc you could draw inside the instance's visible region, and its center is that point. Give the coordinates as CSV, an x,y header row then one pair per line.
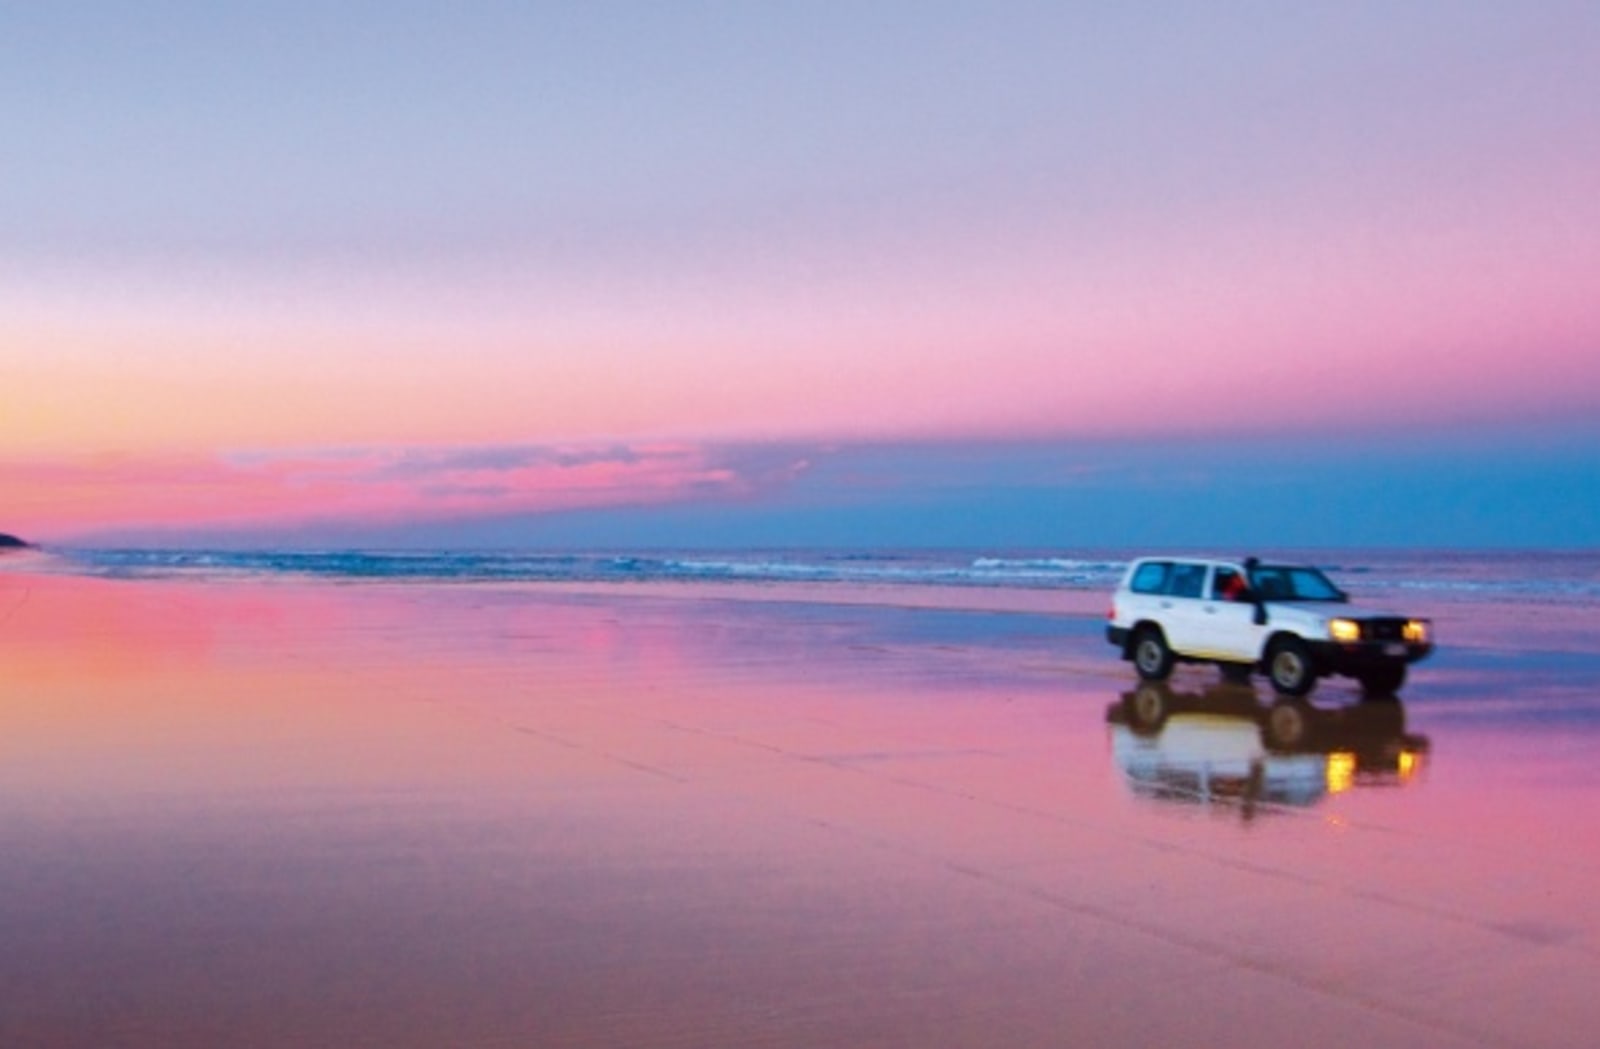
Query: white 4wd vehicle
x,y
1288,621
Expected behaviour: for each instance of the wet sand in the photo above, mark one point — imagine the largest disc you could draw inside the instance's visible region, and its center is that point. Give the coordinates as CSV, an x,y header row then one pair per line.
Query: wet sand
x,y
403,815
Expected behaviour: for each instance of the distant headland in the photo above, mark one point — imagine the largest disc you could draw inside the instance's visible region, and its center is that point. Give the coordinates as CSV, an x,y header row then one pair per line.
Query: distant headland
x,y
11,542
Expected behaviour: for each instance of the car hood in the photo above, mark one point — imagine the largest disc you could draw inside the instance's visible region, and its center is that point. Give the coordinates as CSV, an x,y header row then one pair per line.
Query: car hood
x,y
1324,610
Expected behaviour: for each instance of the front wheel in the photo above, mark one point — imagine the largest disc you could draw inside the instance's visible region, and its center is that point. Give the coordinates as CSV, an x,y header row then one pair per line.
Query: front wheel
x,y
1151,656
1287,725
1290,668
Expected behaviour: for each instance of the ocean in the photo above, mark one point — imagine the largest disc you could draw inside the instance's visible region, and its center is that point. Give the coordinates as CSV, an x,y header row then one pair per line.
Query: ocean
x,y
1520,577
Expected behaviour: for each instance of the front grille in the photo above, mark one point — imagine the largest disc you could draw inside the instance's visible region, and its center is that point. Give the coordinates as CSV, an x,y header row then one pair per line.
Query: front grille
x,y
1384,630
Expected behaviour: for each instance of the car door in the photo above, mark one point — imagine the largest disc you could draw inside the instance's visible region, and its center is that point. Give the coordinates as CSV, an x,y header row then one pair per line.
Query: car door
x,y
1225,622
1142,595
1181,607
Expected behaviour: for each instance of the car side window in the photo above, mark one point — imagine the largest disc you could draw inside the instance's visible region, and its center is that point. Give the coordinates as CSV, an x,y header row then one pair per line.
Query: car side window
x,y
1150,578
1227,584
1187,580
1273,585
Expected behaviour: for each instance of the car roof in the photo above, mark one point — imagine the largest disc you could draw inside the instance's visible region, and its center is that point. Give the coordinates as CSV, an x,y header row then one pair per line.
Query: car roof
x,y
1250,564
1193,559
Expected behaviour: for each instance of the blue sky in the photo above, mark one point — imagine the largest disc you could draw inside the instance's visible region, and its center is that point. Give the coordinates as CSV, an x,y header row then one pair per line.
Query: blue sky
x,y
1506,489
1005,273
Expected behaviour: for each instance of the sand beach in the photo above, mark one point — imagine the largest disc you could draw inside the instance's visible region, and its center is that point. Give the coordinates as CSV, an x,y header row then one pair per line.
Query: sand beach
x,y
315,814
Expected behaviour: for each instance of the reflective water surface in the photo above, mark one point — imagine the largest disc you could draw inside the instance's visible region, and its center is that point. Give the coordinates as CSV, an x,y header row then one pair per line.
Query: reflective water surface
x,y
407,815
1221,744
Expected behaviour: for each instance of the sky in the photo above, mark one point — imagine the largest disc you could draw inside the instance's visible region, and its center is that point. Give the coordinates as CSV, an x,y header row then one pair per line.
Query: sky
x,y
870,273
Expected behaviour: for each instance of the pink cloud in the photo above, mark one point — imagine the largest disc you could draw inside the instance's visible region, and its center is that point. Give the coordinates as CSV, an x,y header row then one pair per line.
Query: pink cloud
x,y
66,496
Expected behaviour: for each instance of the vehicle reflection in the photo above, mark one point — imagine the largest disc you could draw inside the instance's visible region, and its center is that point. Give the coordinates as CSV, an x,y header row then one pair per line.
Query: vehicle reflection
x,y
1221,746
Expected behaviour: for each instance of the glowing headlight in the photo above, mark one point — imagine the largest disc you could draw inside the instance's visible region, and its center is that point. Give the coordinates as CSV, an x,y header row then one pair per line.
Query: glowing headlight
x,y
1341,771
1344,630
1410,763
1415,631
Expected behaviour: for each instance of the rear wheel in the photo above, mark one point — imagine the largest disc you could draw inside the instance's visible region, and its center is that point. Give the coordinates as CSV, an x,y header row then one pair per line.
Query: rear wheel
x,y
1151,656
1383,682
1147,708
1289,667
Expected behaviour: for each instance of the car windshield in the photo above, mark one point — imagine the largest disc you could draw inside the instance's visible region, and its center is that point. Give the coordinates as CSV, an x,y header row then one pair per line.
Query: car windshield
x,y
1293,583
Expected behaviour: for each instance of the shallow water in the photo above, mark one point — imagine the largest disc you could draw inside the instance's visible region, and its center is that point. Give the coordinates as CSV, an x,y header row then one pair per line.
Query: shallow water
x,y
508,815
1518,577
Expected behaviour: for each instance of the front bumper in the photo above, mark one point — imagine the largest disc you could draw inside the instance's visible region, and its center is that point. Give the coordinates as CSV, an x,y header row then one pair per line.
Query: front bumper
x,y
1354,657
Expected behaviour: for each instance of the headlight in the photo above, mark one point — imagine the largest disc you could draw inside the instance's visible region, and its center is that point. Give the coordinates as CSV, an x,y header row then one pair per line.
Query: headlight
x,y
1344,630
1341,771
1415,631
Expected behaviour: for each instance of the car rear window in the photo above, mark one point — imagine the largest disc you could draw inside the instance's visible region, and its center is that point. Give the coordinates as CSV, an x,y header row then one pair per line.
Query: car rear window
x,y
1187,580
1150,577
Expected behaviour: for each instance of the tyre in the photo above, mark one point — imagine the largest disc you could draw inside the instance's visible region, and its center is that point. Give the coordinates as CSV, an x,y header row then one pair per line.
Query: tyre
x,y
1383,682
1147,708
1287,725
1289,666
1151,656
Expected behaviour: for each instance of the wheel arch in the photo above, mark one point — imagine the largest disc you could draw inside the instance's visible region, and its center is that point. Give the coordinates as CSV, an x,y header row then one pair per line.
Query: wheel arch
x,y
1272,639
1138,628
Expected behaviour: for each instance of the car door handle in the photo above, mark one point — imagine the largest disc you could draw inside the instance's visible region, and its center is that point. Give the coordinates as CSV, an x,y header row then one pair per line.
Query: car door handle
x,y
1166,604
